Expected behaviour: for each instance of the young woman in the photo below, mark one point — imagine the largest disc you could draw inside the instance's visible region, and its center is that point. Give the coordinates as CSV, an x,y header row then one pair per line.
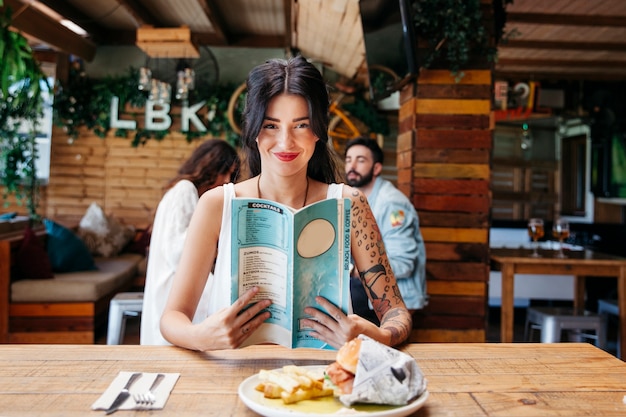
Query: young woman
x,y
286,143
212,163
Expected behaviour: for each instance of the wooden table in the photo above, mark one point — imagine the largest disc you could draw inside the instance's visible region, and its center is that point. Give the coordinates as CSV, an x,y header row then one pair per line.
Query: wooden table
x,y
464,379
581,264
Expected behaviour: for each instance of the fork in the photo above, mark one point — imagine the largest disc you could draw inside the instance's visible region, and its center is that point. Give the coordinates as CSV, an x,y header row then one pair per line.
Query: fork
x,y
147,398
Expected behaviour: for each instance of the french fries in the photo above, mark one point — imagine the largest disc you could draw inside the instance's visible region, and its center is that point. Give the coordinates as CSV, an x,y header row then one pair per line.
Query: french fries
x,y
292,384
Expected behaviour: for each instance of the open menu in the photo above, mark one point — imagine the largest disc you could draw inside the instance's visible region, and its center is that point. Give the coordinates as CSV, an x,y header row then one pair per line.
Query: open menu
x,y
292,256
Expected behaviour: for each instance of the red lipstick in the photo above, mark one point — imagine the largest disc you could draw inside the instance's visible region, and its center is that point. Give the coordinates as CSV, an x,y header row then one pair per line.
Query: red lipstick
x,y
286,156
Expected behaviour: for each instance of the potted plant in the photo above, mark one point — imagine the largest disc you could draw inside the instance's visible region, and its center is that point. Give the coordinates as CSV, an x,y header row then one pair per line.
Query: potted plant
x,y
22,84
454,30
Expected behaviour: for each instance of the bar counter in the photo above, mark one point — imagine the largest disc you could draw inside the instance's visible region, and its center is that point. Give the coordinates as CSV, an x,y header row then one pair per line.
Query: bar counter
x,y
464,379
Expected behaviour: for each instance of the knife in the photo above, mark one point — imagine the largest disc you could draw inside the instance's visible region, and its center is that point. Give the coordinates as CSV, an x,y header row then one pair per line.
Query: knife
x,y
124,394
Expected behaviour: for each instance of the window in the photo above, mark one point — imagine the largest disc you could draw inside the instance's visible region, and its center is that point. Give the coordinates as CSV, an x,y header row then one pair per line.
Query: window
x,y
43,136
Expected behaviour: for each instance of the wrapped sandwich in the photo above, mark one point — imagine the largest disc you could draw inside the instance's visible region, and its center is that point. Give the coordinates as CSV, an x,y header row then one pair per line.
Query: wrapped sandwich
x,y
366,371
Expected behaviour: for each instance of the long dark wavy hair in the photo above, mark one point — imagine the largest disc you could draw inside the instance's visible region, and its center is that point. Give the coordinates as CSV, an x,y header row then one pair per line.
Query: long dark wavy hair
x,y
213,158
293,76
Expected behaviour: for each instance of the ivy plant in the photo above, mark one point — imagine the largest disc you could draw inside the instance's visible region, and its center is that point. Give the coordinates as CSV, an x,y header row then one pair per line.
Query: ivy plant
x,y
455,30
22,84
85,102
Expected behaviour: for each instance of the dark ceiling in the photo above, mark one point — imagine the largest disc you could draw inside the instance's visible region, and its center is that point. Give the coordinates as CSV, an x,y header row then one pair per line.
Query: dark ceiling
x,y
557,39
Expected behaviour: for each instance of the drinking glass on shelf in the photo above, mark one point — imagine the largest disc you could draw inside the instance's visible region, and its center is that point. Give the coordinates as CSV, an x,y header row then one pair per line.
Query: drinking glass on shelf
x,y
536,232
560,230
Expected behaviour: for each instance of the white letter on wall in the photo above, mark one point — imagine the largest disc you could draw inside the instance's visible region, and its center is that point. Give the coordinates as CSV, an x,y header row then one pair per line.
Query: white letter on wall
x,y
152,115
189,114
117,123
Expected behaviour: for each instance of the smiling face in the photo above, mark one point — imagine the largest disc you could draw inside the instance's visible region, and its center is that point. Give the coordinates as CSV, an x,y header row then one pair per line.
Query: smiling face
x,y
286,141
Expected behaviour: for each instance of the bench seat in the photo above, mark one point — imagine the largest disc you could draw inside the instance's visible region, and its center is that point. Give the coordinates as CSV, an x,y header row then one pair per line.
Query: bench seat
x,y
70,307
112,274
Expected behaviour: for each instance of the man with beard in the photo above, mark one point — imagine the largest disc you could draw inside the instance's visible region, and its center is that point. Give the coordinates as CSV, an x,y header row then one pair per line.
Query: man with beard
x,y
398,222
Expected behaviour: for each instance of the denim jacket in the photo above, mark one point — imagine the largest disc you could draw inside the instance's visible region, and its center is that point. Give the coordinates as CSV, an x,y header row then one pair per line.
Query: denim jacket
x,y
399,225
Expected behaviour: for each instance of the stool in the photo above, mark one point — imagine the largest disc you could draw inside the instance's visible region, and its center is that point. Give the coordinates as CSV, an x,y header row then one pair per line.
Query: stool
x,y
122,306
553,320
606,307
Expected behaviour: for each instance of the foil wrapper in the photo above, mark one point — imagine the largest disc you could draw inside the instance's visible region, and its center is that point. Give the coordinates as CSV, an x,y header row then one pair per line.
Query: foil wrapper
x,y
384,375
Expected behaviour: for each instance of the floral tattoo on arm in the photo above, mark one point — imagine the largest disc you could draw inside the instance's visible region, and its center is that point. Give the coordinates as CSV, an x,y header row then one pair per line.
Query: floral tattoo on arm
x,y
384,295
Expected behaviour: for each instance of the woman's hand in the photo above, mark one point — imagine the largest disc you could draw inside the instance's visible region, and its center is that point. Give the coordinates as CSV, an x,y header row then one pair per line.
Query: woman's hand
x,y
231,326
336,328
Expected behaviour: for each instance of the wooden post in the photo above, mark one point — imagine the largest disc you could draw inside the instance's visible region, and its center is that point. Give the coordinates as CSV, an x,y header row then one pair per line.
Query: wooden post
x,y
444,148
444,165
5,289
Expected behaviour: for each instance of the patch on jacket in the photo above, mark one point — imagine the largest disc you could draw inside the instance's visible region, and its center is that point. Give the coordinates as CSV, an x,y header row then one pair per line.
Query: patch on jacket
x,y
397,218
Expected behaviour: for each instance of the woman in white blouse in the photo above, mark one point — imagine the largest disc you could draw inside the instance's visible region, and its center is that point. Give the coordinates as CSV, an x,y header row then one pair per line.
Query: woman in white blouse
x,y
212,164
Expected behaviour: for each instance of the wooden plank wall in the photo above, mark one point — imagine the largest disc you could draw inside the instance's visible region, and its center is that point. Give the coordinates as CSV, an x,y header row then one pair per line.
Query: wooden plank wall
x,y
126,182
444,146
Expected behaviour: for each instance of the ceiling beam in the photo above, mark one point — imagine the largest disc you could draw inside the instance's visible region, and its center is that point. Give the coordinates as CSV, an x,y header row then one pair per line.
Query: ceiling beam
x,y
96,32
241,41
565,19
536,74
42,27
256,41
566,63
121,37
208,38
217,21
140,13
290,39
560,45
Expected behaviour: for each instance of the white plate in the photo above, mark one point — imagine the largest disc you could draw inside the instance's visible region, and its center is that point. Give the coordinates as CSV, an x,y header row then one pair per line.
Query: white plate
x,y
317,408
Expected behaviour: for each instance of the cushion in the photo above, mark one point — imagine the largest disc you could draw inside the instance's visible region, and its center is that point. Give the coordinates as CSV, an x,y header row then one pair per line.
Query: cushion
x,y
67,251
31,259
104,235
140,242
94,220
8,216
86,286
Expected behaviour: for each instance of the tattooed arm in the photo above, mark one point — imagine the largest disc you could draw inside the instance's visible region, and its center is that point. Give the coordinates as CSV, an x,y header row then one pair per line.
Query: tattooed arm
x,y
370,258
329,323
